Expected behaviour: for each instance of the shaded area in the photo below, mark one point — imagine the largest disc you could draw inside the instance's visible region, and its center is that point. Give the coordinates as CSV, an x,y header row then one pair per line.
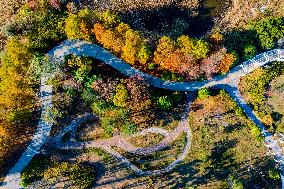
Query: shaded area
x,y
174,21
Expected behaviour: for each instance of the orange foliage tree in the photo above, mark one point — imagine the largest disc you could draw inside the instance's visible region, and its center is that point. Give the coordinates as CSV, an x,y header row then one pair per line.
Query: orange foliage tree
x,y
166,46
177,62
225,64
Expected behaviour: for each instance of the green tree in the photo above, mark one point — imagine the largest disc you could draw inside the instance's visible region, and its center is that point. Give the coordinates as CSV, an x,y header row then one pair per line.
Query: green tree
x,y
77,26
144,54
109,19
165,102
249,52
121,96
203,93
268,31
200,49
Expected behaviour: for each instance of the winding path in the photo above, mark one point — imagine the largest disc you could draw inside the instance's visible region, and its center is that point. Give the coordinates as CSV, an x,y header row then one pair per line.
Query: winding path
x,y
228,82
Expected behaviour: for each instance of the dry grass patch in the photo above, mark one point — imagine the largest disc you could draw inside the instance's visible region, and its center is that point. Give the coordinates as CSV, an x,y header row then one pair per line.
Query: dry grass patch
x,y
143,141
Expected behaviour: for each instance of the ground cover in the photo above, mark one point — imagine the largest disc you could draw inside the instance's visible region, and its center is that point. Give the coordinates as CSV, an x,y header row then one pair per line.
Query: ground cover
x,y
262,90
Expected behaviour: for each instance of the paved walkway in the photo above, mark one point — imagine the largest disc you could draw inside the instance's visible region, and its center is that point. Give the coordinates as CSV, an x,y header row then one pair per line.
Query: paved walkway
x,y
81,48
12,180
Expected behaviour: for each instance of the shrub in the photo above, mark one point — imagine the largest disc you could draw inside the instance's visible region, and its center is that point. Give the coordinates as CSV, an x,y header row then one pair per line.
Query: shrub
x,y
114,118
82,176
249,52
129,128
237,184
82,66
203,93
274,174
35,67
99,107
35,170
88,96
165,102
121,96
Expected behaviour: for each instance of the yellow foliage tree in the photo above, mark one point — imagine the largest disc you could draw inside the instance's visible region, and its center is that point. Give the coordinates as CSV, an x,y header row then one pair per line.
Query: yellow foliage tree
x,y
133,42
16,94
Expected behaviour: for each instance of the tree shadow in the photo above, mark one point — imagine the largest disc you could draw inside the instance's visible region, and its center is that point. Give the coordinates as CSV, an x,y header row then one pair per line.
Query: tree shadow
x,y
170,20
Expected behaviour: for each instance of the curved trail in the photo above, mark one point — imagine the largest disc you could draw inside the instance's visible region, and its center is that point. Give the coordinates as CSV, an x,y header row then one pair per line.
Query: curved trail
x,y
122,142
228,82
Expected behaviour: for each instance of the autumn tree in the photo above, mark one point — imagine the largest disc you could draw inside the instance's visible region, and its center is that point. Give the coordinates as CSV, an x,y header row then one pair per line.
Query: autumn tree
x,y
177,62
226,63
165,47
77,26
121,96
196,47
132,41
16,93
185,44
108,38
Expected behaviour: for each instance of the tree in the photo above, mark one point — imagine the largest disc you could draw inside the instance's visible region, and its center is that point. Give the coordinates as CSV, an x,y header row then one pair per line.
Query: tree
x,y
268,31
165,102
98,30
121,96
196,47
109,38
144,54
140,93
109,19
16,93
203,93
200,49
249,51
166,46
177,62
77,26
122,28
228,60
185,44
133,42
